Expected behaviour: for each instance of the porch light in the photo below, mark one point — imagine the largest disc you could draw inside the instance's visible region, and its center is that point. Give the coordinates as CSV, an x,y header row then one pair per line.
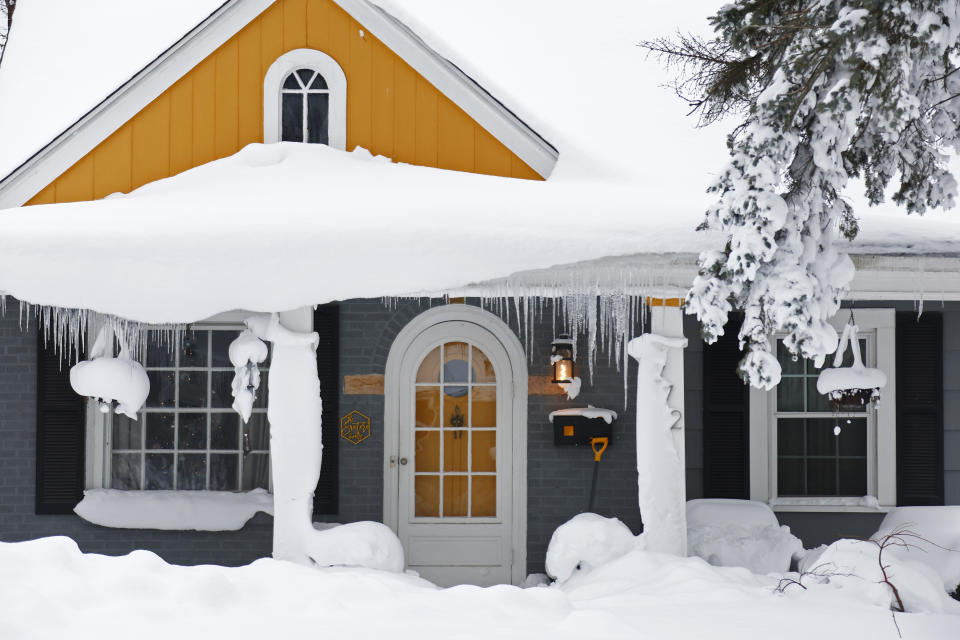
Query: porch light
x,y
561,357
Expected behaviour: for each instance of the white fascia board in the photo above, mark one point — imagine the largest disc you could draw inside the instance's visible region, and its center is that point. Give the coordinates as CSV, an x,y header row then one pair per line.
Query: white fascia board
x,y
123,104
451,81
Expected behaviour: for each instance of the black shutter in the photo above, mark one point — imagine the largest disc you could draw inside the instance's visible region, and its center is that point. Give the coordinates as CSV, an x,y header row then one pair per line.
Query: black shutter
x,y
60,434
726,419
326,322
919,409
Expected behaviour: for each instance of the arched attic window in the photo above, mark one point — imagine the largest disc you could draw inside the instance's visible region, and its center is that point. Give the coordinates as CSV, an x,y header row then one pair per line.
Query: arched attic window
x,y
305,99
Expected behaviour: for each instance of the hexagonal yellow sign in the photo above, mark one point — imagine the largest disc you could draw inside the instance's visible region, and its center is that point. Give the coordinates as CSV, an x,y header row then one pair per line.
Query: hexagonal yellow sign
x,y
355,427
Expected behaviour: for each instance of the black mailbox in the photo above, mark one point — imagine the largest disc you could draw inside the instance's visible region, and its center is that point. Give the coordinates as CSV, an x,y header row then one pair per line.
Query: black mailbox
x,y
578,429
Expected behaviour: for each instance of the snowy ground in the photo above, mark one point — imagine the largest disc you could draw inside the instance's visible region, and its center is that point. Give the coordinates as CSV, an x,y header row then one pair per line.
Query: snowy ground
x,y
48,588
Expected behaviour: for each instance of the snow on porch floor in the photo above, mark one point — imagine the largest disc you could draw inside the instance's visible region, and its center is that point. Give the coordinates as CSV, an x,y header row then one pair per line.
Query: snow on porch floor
x,y
49,588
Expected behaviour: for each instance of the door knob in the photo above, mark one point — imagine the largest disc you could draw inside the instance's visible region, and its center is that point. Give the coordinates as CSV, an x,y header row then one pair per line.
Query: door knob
x,y
403,461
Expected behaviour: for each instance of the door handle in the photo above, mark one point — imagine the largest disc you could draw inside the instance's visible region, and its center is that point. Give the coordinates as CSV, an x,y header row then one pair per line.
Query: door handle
x,y
403,461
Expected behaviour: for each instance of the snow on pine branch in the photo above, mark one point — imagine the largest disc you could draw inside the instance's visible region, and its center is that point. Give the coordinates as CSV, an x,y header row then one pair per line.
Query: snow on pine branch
x,y
856,88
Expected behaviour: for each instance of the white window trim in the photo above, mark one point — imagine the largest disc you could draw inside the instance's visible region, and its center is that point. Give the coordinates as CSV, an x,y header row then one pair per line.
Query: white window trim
x,y
881,468
99,425
336,83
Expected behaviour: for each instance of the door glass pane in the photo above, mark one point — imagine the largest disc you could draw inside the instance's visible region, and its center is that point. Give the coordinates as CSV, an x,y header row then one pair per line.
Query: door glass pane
x,y
427,451
484,496
429,370
455,407
484,406
455,496
482,368
426,496
484,450
292,117
456,358
428,407
455,450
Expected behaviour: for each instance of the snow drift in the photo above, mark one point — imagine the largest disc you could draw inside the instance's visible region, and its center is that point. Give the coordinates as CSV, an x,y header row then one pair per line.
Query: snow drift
x,y
585,542
740,533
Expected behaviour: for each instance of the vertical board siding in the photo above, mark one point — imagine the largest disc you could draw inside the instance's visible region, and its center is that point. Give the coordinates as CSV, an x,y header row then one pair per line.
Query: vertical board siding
x,y
217,108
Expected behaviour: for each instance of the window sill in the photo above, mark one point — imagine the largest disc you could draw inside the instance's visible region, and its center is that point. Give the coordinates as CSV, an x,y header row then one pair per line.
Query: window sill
x,y
173,510
828,505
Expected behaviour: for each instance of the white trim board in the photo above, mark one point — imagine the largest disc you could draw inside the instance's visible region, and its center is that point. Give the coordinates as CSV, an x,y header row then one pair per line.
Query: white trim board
x,y
63,151
391,419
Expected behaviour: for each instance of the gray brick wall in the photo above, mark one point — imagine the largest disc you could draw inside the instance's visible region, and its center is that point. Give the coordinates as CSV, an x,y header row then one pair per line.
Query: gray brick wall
x,y
18,357
558,477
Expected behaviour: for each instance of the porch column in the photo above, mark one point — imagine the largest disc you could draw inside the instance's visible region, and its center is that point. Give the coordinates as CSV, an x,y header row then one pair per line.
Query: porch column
x,y
661,465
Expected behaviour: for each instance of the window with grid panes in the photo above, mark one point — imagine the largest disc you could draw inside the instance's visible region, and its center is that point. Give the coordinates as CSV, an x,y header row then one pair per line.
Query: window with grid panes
x,y
813,457
188,437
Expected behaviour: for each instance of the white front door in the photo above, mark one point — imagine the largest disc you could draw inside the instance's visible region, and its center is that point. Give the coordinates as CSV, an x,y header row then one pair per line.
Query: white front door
x,y
455,455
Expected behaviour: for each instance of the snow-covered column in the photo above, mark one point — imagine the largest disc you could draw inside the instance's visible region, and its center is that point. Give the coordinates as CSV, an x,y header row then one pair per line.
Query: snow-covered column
x,y
661,473
294,410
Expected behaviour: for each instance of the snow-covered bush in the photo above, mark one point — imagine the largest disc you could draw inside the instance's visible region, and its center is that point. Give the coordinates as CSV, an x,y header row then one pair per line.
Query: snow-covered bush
x,y
938,541
855,566
585,542
740,533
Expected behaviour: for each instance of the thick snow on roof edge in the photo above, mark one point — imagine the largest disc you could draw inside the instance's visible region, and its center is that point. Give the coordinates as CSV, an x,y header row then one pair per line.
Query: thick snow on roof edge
x,y
276,227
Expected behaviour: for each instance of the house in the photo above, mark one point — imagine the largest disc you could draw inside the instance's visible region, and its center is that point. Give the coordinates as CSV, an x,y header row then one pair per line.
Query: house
x,y
501,196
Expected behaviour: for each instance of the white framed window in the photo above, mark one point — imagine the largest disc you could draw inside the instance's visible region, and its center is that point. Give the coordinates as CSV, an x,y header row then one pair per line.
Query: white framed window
x,y
305,100
799,460
187,437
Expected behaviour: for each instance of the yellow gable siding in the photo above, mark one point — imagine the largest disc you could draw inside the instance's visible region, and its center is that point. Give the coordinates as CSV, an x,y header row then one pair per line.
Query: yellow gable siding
x,y
217,108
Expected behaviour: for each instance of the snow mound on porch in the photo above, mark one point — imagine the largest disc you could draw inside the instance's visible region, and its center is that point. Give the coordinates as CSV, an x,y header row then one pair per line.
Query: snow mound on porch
x,y
173,510
357,544
740,533
51,590
585,542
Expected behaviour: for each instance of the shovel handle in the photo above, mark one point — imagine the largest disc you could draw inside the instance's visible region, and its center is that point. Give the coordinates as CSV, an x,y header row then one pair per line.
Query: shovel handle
x,y
599,445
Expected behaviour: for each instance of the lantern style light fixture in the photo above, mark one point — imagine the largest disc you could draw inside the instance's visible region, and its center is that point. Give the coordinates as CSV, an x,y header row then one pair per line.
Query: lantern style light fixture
x,y
564,366
561,357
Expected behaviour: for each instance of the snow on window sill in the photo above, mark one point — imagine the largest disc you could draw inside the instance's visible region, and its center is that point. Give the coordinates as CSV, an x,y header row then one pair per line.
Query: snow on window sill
x,y
866,504
173,510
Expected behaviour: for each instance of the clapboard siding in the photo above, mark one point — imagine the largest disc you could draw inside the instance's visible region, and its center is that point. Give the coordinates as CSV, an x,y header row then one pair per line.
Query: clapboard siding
x,y
217,108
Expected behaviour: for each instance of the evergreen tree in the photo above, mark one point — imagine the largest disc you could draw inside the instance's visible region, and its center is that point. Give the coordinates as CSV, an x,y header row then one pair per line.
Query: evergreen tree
x,y
825,90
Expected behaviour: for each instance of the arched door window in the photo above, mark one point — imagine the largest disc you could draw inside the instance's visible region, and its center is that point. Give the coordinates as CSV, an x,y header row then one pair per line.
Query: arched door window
x,y
305,108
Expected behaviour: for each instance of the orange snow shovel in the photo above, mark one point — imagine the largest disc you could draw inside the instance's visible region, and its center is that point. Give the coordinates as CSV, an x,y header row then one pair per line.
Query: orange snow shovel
x,y
599,445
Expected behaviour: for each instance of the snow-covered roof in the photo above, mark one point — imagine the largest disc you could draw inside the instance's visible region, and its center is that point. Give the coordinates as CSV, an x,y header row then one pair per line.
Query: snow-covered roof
x,y
280,227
